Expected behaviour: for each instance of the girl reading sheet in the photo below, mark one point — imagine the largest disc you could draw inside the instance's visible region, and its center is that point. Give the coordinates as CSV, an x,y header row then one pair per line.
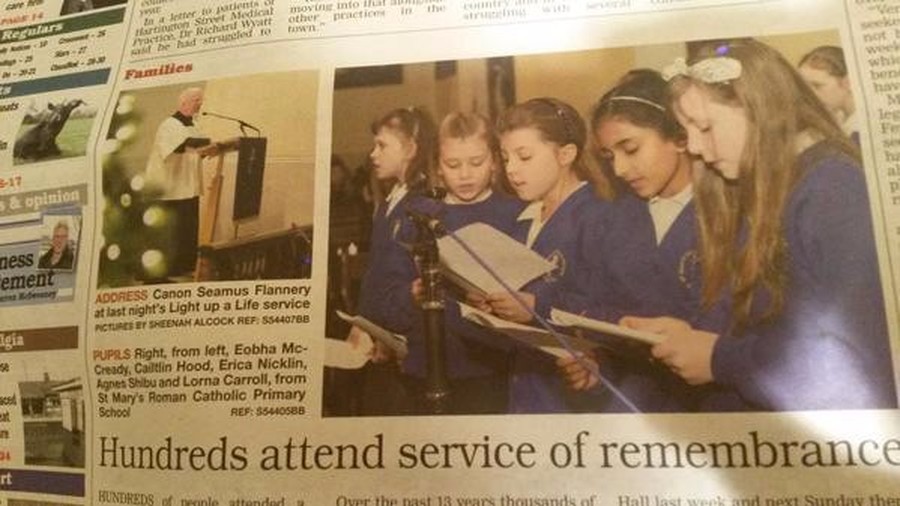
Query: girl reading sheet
x,y
786,233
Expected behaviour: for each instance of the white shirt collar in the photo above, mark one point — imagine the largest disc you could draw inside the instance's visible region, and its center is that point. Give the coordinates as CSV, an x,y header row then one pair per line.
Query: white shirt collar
x,y
397,193
533,212
681,198
805,140
451,199
665,210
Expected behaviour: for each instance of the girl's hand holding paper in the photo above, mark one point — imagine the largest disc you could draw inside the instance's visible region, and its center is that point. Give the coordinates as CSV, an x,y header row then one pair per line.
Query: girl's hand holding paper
x,y
686,351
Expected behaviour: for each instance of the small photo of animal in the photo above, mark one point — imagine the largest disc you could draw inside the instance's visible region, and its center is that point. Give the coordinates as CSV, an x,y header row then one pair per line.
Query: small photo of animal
x,y
76,6
58,130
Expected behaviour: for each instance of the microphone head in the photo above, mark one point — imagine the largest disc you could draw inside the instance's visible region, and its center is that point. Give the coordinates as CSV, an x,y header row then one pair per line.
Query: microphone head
x,y
427,221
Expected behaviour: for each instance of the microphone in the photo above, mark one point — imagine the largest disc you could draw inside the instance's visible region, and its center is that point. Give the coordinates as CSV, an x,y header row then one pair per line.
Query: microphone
x,y
429,206
243,124
429,222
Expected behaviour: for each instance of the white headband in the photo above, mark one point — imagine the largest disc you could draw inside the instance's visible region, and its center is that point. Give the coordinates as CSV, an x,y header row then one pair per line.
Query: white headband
x,y
629,98
718,69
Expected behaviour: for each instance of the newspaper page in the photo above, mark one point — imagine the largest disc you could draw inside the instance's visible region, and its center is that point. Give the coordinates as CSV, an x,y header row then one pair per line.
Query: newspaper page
x,y
191,190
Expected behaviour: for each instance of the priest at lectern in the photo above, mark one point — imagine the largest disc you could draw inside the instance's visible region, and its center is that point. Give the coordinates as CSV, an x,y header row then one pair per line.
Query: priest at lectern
x,y
174,169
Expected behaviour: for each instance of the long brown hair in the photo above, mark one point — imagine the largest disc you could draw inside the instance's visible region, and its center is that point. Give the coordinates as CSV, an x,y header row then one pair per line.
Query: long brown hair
x,y
741,230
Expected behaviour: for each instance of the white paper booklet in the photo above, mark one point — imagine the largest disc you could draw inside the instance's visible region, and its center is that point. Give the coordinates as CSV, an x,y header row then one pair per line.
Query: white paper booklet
x,y
567,319
340,354
511,260
395,342
531,336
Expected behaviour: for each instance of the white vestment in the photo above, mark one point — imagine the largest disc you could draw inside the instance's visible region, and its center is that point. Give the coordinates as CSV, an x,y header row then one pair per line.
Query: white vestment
x,y
177,174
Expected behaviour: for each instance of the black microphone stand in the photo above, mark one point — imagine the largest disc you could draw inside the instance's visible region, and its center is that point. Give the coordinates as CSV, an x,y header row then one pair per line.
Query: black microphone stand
x,y
437,388
426,251
241,123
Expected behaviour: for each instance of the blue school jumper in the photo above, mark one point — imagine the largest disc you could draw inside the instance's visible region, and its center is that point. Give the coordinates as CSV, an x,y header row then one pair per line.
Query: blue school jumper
x,y
535,384
389,259
632,275
472,367
379,392
828,349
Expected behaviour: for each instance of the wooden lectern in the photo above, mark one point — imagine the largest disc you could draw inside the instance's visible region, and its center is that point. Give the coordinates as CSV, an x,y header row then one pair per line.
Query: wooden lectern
x,y
251,160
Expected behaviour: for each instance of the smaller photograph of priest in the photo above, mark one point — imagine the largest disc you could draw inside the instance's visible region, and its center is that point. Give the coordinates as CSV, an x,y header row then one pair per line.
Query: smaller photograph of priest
x,y
59,241
210,181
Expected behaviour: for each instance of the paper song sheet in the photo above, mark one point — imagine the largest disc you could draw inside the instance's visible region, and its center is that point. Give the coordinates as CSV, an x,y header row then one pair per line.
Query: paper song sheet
x,y
511,260
566,319
395,342
530,336
341,354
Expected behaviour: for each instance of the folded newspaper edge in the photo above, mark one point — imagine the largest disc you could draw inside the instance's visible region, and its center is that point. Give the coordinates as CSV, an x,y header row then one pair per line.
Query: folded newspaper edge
x,y
533,337
566,319
395,342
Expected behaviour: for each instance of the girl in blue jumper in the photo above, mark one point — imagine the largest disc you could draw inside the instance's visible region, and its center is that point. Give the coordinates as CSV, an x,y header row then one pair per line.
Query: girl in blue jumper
x,y
542,141
786,232
402,155
646,262
468,161
825,71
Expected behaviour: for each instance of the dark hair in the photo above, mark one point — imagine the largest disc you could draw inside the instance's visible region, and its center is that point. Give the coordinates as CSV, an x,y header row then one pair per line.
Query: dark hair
x,y
827,58
641,97
557,121
416,125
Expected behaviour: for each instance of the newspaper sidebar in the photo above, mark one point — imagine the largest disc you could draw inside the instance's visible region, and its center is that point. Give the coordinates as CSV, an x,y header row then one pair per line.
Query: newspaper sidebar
x,y
204,338
56,65
877,39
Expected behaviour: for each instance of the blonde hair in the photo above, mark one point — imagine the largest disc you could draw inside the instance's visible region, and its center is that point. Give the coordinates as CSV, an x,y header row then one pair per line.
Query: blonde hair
x,y
61,224
465,125
741,229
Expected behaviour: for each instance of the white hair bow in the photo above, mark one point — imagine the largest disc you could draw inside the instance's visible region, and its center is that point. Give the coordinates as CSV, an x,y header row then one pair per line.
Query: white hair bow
x,y
717,69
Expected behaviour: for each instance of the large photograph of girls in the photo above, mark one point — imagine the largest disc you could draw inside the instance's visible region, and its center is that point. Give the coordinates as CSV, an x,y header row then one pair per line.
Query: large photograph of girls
x,y
710,193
